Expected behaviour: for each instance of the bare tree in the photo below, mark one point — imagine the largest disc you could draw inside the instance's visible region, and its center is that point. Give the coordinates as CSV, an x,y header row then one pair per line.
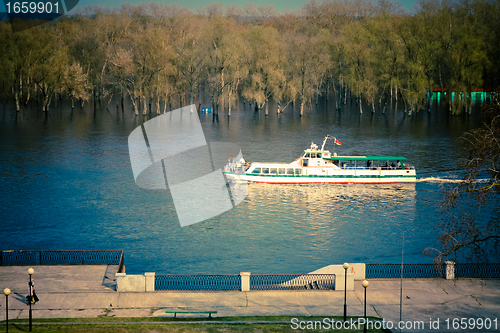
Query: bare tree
x,y
471,228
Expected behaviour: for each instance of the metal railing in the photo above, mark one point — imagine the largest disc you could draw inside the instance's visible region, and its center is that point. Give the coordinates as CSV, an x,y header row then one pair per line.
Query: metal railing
x,y
291,281
197,282
479,270
392,271
70,257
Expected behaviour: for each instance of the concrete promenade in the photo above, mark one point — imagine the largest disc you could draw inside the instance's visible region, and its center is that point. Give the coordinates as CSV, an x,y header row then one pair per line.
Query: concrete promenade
x,y
89,291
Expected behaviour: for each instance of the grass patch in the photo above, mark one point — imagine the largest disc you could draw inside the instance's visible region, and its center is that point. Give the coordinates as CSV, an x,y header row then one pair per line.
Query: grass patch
x,y
181,319
174,325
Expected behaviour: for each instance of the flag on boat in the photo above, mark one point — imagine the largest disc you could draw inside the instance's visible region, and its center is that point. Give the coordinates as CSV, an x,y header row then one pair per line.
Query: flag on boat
x,y
338,142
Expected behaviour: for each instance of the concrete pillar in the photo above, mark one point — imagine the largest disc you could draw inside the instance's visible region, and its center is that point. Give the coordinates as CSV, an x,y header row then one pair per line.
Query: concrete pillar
x,y
245,281
150,281
340,281
450,270
133,283
120,279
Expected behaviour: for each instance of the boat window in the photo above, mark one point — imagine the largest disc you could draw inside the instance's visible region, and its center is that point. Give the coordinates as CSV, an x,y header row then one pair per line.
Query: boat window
x,y
307,155
273,171
289,171
281,171
298,171
305,162
313,155
319,155
265,170
256,170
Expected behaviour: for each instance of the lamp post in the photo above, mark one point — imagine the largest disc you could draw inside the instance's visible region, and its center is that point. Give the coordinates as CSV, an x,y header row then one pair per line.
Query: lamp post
x,y
6,292
30,296
365,284
346,266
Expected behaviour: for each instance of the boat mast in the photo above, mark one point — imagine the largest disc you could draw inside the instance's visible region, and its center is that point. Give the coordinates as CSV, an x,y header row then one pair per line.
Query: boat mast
x,y
328,136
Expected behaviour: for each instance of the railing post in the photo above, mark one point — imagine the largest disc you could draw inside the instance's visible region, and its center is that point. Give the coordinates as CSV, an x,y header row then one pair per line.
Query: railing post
x,y
450,270
245,281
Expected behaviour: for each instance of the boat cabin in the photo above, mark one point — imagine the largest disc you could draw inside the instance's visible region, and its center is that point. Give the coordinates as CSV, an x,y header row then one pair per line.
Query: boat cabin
x,y
315,157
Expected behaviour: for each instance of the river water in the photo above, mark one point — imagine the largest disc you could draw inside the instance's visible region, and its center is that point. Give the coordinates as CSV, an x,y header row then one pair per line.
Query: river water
x,y
67,184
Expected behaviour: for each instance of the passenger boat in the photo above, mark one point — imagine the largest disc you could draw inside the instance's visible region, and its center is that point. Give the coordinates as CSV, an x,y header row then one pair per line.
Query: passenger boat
x,y
320,166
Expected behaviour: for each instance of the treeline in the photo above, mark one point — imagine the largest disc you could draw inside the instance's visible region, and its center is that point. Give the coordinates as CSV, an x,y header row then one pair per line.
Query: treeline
x,y
163,55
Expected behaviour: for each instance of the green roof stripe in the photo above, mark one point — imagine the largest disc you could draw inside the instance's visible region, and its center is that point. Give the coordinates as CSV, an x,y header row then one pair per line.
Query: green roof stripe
x,y
366,158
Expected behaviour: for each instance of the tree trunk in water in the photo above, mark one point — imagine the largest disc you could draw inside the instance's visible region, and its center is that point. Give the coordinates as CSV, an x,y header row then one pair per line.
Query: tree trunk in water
x,y
136,109
134,103
122,99
391,95
267,107
302,106
46,102
157,104
29,93
109,101
469,104
229,103
16,96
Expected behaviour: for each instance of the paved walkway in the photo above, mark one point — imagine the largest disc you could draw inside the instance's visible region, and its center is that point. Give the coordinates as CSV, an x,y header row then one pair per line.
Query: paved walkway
x,y
89,291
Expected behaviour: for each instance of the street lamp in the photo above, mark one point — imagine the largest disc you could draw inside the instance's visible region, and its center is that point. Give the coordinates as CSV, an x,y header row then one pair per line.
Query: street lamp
x,y
6,292
365,284
346,266
30,296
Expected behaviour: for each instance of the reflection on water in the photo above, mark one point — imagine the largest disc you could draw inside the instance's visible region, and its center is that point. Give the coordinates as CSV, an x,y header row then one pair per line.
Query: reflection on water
x,y
67,183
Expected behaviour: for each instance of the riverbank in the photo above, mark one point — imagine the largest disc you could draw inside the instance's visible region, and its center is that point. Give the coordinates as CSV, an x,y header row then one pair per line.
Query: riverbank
x,y
89,292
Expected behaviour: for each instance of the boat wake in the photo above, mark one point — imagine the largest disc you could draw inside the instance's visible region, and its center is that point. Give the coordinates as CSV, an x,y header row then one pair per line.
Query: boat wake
x,y
438,180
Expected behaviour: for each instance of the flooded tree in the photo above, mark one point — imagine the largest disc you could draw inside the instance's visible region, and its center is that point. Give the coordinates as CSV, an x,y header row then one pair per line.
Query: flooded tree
x,y
374,52
189,53
226,59
266,62
308,59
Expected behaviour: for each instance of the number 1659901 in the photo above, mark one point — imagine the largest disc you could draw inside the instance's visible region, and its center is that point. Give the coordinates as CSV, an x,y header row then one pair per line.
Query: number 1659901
x,y
471,323
26,7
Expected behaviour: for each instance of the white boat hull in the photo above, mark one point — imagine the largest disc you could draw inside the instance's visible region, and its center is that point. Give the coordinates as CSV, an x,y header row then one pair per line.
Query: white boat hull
x,y
334,179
